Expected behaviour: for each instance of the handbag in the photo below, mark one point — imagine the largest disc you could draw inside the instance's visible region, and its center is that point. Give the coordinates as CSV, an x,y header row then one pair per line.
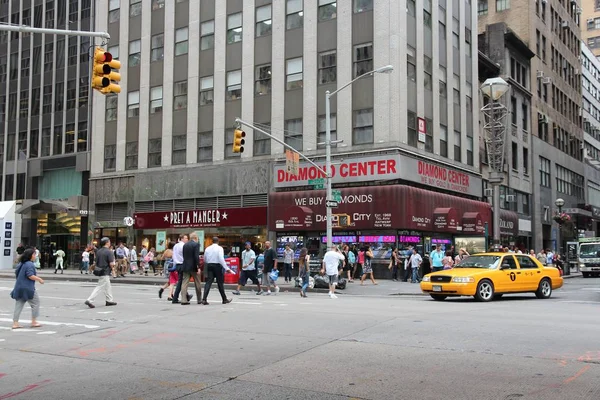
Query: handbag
x,y
98,271
274,275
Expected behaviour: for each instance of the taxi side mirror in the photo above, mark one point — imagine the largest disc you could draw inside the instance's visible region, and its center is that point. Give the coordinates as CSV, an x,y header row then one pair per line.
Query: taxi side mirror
x,y
505,266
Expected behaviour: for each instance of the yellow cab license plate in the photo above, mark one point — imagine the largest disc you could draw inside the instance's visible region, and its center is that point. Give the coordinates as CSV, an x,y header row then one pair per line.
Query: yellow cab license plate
x,y
437,288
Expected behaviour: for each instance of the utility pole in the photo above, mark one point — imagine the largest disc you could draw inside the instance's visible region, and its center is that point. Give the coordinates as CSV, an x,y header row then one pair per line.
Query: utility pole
x,y
65,32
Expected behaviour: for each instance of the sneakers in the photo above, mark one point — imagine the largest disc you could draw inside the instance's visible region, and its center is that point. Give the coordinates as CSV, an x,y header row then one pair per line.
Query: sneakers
x,y
259,293
236,292
276,289
110,303
160,293
332,296
89,304
268,293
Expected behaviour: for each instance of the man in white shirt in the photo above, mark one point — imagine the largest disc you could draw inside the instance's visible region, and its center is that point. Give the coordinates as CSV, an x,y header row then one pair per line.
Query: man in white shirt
x,y
415,263
178,261
214,261
248,269
331,261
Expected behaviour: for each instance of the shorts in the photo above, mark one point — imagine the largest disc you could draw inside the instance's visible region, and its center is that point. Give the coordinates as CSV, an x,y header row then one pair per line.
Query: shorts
x,y
333,279
266,279
248,274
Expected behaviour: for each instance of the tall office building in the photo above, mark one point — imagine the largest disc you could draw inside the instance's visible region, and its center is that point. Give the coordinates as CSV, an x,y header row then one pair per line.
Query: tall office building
x,y
163,146
44,114
590,25
551,29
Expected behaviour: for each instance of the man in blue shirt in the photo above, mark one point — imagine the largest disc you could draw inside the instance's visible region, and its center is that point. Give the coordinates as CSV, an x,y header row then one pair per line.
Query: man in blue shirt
x,y
436,259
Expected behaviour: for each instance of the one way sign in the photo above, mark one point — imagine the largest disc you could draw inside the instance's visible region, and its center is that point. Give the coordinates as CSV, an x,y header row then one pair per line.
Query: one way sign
x,y
331,203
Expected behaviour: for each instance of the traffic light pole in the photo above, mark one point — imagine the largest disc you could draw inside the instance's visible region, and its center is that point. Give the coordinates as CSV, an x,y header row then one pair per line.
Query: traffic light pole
x,y
65,32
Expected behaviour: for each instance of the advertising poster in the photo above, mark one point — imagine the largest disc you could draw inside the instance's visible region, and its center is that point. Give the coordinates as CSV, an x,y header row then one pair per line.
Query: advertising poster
x,y
161,241
200,239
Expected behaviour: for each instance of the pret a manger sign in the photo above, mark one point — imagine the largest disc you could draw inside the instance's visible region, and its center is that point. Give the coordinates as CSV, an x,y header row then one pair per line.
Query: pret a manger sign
x,y
385,167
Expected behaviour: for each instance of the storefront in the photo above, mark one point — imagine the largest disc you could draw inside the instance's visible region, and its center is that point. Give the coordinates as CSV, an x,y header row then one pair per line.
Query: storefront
x,y
509,229
233,226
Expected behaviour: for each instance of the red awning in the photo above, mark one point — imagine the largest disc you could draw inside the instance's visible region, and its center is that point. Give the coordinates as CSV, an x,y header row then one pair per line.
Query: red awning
x,y
509,223
472,223
445,218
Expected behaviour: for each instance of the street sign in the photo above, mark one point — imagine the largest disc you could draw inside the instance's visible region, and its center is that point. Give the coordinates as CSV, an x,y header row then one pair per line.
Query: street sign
x,y
319,186
422,129
292,161
337,195
318,181
331,203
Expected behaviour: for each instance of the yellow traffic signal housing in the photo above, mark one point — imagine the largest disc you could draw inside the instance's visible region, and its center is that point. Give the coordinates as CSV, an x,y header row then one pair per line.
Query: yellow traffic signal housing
x,y
239,141
105,75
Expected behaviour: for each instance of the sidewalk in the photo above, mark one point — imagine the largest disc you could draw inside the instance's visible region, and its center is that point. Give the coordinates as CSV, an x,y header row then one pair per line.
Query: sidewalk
x,y
384,287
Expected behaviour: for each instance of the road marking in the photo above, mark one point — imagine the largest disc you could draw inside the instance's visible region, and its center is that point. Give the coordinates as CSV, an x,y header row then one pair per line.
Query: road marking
x,y
51,323
248,302
105,312
46,333
577,375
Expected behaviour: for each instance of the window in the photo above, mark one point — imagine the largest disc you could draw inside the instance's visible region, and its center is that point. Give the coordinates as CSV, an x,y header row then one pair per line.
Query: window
x,y
206,90
46,139
321,133
568,182
57,142
263,21
327,67
294,73
427,19
113,50
363,127
294,18
515,156
135,9
133,104
131,155
113,10
84,92
363,59
526,263
181,41
10,147
544,172
48,56
525,161
205,146
71,94
261,142
33,144
158,47
135,48
457,146
443,141
35,102
234,85
110,157
234,28
24,106
157,4
363,5
154,153
502,5
293,133
207,35
229,145
9,187
70,139
22,145
82,136
411,63
60,96
411,8
180,95
428,71
327,10
525,117
482,7
513,110
179,149
156,99
111,107
262,84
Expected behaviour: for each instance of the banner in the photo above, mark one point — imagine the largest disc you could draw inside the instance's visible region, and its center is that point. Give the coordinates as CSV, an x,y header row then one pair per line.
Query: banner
x,y
161,241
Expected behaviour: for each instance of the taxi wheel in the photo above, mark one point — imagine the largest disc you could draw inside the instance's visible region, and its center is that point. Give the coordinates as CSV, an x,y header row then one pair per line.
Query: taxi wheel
x,y
544,289
485,291
438,297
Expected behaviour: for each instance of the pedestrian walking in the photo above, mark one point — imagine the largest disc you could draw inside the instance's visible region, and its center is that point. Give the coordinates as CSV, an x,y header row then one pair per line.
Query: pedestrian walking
x,y
215,264
394,264
367,268
172,275
178,261
133,260
85,261
352,262
59,261
121,260
288,262
270,264
105,261
248,270
304,270
189,269
415,262
24,289
331,261
436,257
37,258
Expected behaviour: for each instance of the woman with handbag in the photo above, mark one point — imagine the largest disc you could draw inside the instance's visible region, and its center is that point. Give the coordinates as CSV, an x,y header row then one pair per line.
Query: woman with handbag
x,y
24,290
303,270
169,266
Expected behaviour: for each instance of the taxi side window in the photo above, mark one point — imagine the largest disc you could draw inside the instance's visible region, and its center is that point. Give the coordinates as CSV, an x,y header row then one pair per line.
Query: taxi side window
x,y
508,262
526,262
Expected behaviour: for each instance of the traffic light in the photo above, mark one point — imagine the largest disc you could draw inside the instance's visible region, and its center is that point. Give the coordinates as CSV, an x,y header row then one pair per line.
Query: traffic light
x,y
105,75
239,141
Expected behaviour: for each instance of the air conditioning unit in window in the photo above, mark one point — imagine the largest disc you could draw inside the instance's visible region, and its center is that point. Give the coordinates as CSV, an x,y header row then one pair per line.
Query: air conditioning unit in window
x,y
544,1
488,192
547,81
540,74
565,24
510,198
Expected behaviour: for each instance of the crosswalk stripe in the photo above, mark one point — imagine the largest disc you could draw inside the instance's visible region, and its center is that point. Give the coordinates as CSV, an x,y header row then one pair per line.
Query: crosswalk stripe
x,y
51,323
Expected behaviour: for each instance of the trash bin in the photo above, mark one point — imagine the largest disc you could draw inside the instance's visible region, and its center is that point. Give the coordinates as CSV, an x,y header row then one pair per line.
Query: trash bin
x,y
234,264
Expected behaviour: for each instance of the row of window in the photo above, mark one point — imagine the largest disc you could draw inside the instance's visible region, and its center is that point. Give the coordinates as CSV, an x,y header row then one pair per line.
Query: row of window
x,y
567,181
523,155
501,5
565,69
519,205
293,135
589,65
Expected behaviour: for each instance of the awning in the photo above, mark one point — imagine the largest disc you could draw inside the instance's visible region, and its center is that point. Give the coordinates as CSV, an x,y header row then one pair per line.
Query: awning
x,y
296,217
472,223
509,223
445,218
50,206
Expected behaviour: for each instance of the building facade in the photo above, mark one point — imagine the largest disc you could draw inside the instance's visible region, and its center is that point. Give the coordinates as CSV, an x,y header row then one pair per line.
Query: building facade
x,y
552,32
590,25
190,68
44,113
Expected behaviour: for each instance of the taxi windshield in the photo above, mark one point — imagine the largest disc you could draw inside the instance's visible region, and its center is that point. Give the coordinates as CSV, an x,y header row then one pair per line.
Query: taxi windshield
x,y
487,262
589,250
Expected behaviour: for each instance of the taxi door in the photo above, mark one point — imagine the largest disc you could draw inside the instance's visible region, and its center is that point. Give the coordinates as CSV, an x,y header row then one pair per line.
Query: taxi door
x,y
507,277
530,272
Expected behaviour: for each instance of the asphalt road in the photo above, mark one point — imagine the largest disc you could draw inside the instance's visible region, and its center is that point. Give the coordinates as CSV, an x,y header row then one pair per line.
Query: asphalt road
x,y
284,347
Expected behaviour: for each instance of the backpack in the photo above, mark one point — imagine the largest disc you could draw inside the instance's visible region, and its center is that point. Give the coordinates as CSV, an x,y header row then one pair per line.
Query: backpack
x,y
351,257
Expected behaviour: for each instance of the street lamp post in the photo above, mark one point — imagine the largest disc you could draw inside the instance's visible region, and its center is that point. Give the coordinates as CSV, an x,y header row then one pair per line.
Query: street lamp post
x,y
382,70
495,129
560,203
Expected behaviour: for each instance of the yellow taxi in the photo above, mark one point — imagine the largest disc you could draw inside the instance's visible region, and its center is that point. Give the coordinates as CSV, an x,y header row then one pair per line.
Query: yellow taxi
x,y
488,276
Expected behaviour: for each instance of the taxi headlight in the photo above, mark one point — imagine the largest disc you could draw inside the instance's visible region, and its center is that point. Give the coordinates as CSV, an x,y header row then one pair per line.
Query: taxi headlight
x,y
463,279
426,278
581,265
